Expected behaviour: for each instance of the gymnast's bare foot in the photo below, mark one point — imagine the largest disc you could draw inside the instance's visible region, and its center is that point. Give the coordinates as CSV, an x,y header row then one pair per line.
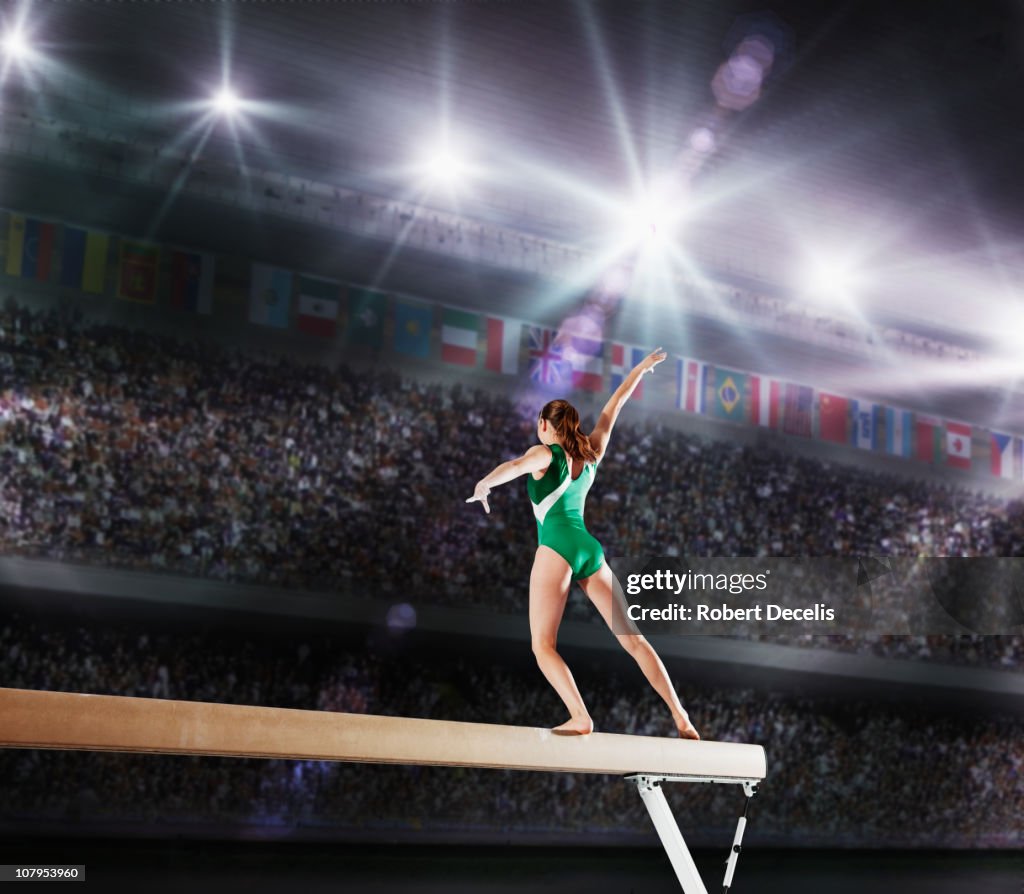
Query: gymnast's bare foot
x,y
577,726
686,729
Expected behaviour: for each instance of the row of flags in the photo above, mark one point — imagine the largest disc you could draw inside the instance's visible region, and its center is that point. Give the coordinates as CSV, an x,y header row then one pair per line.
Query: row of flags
x,y
278,297
81,259
579,363
804,411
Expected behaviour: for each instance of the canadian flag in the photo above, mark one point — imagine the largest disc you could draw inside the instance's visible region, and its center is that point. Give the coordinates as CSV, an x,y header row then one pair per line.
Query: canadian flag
x,y
958,445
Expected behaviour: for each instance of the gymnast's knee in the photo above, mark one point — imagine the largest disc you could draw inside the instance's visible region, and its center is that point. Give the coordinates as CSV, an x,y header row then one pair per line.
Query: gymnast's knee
x,y
633,642
542,647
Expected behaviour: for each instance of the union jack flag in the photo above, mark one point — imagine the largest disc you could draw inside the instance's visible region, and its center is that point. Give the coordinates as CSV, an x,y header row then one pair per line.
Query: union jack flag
x,y
547,366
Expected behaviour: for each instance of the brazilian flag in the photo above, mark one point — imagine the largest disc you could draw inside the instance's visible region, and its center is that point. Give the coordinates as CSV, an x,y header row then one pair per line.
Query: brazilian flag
x,y
731,395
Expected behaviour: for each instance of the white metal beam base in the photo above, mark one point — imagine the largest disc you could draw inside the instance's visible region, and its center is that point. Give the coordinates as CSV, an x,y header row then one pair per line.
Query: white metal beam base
x,y
649,787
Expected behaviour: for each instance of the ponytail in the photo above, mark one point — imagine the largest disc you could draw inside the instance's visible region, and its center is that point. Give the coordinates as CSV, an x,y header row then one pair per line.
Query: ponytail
x,y
566,420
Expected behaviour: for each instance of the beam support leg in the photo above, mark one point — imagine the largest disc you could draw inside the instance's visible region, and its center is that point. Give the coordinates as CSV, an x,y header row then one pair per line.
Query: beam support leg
x,y
649,787
671,838
749,789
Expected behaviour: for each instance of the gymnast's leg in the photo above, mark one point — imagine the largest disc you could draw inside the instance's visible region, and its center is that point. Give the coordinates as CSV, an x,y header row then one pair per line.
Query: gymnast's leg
x,y
598,587
549,589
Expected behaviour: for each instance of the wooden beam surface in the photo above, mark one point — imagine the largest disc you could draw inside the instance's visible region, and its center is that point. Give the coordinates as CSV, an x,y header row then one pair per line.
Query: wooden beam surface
x,y
77,721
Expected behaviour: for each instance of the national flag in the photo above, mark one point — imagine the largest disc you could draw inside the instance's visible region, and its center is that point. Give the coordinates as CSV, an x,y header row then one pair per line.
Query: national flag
x,y
928,431
624,358
865,430
547,366
270,295
691,385
413,325
1002,449
729,400
366,309
231,283
833,415
765,401
503,341
318,306
898,431
585,359
958,445
796,409
84,260
137,270
29,247
460,336
192,276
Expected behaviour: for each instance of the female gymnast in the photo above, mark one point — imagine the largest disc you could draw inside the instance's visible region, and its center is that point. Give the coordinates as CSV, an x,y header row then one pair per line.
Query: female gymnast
x,y
562,468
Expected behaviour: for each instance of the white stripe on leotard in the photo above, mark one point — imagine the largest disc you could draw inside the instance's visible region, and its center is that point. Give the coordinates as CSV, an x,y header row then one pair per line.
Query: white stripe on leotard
x,y
540,510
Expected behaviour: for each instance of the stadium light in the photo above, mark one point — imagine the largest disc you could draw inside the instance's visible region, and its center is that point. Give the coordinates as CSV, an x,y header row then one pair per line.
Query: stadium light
x,y
446,165
831,278
226,102
652,220
15,45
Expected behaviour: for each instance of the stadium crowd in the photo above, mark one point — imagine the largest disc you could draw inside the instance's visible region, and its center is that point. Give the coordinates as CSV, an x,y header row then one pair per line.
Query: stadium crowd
x,y
844,771
137,450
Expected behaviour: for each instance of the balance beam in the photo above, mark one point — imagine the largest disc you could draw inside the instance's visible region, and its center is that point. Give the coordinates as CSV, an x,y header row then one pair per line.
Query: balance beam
x,y
32,718
69,720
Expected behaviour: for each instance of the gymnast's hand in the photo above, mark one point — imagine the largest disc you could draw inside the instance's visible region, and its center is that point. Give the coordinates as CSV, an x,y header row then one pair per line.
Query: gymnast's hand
x,y
481,492
651,360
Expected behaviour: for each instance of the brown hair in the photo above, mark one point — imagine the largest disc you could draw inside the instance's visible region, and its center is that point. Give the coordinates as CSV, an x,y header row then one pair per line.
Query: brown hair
x,y
566,420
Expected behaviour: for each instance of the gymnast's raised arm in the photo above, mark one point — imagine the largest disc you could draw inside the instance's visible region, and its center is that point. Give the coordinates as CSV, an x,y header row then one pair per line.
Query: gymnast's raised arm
x,y
606,421
535,459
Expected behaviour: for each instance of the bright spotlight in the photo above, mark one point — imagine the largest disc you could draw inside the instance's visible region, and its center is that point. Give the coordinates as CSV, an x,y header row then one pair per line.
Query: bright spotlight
x,y
226,102
15,45
831,278
651,220
446,166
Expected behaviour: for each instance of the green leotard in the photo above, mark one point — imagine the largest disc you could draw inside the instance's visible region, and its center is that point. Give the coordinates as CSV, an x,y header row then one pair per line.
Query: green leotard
x,y
558,507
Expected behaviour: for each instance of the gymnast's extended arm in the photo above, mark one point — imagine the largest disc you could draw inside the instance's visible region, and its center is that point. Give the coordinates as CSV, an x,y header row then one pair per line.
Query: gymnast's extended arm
x,y
606,421
535,459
